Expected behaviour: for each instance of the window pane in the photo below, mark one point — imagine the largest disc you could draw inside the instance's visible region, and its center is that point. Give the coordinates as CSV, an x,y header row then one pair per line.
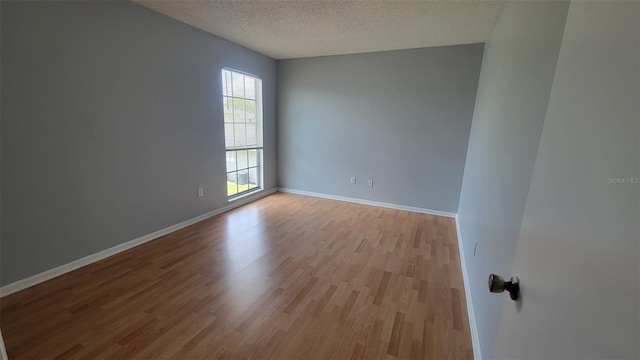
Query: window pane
x,y
253,158
227,104
252,135
254,181
238,111
249,87
243,180
250,108
229,140
231,161
241,161
240,134
238,84
226,83
232,184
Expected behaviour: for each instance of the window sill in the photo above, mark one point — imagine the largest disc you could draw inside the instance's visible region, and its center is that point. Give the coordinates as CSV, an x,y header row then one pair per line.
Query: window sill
x,y
249,193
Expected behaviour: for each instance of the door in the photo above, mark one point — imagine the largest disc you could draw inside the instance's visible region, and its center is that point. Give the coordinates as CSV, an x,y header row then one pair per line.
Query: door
x,y
578,255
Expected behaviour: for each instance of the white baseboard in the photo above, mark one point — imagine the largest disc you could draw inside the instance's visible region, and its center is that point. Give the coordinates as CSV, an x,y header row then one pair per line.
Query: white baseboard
x,y
3,349
63,269
477,355
368,202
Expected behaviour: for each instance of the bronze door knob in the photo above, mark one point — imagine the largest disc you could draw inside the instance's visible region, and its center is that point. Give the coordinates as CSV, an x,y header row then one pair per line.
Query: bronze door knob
x,y
498,285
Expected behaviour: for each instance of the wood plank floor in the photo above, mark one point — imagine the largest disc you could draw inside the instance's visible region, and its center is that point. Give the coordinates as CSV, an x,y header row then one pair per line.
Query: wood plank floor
x,y
284,277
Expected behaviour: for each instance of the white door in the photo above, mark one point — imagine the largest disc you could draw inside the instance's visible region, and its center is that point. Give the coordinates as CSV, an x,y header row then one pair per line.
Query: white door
x,y
578,250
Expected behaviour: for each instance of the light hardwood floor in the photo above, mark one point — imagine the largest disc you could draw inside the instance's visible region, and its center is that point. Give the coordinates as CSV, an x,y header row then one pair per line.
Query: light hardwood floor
x,y
284,277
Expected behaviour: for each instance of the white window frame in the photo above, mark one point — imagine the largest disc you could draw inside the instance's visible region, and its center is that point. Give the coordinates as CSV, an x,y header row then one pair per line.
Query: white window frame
x,y
259,135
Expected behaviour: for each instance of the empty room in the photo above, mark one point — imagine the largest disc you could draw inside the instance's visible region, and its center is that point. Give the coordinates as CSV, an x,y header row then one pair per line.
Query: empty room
x,y
319,179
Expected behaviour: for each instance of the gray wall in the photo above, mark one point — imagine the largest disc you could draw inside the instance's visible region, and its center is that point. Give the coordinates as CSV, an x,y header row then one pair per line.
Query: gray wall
x,y
111,118
515,82
401,118
578,248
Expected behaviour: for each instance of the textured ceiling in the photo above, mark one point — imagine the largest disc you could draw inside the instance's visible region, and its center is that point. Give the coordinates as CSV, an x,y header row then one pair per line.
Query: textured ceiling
x,y
285,29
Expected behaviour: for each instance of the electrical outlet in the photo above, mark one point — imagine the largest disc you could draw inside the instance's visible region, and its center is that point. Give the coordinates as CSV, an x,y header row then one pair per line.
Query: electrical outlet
x,y
353,179
475,248
370,183
200,192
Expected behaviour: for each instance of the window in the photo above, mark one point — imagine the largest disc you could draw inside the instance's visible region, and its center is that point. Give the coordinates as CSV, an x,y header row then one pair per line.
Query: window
x,y
242,102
